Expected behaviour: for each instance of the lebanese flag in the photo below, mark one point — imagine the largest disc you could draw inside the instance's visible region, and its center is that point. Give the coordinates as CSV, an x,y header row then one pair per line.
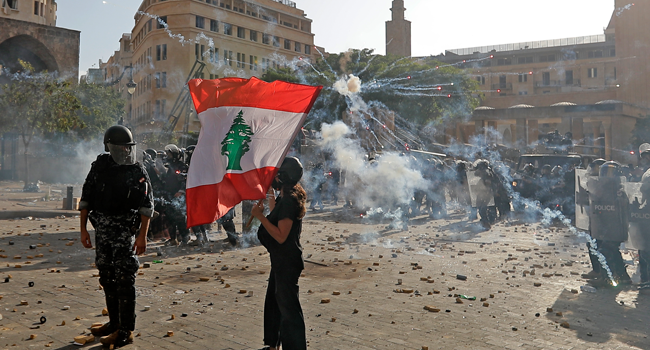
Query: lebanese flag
x,y
247,128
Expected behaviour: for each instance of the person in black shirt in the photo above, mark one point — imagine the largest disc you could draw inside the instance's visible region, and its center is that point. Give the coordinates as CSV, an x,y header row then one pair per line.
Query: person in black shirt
x,y
284,323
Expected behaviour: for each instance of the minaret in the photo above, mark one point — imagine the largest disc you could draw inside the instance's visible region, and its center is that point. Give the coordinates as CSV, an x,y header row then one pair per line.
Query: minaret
x,y
398,32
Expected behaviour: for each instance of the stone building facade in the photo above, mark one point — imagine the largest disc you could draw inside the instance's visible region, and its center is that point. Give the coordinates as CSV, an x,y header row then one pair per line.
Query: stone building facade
x,y
28,31
398,32
595,87
230,37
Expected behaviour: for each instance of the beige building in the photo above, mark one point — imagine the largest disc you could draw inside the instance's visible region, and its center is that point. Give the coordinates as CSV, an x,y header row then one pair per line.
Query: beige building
x,y
28,32
34,11
229,37
595,87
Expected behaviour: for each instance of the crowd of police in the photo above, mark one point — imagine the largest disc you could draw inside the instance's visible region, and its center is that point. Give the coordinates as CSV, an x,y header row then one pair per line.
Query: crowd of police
x,y
167,170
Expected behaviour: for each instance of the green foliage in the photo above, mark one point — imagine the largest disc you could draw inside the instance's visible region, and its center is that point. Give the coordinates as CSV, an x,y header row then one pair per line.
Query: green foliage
x,y
386,84
103,107
38,103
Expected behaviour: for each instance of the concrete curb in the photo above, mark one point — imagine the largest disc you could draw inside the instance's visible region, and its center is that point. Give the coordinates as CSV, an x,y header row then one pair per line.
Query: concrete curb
x,y
43,214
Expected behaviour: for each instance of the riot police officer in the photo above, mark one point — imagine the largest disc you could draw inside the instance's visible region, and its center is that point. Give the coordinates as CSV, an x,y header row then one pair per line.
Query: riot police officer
x,y
149,161
174,195
484,197
118,201
644,249
609,218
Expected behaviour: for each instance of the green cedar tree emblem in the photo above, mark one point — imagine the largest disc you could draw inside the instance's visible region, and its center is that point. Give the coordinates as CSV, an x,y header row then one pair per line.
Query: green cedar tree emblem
x,y
235,144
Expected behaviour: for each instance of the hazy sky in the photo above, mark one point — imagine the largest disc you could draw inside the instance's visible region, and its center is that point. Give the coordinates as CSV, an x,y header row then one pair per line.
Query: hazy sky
x,y
343,24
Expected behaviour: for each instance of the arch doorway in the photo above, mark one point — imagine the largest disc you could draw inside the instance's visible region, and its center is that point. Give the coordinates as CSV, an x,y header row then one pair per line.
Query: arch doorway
x,y
26,48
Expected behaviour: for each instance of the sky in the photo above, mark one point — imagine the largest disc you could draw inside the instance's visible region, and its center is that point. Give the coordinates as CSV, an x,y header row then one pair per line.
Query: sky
x,y
339,25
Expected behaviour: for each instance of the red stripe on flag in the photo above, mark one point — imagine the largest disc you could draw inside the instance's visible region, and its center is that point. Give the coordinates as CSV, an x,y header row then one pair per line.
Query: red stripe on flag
x,y
278,95
210,202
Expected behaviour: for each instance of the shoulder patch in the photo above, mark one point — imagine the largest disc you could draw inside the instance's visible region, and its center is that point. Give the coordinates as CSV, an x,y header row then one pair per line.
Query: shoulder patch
x,y
142,180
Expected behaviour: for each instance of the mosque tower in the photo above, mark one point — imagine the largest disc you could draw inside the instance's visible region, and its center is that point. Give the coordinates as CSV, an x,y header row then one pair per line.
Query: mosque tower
x,y
398,32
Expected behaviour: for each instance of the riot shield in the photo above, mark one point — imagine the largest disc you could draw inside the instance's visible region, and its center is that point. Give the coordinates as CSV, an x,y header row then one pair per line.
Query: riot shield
x,y
582,200
639,229
477,188
609,209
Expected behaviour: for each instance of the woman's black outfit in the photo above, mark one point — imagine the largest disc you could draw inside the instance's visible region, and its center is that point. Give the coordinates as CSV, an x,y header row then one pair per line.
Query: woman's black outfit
x,y
284,323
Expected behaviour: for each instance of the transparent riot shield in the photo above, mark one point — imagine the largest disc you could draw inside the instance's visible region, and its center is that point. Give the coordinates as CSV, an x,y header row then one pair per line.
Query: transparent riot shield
x,y
639,229
609,209
477,188
582,200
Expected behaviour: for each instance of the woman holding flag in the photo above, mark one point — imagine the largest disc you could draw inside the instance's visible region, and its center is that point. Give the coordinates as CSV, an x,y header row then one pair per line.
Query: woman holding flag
x,y
279,232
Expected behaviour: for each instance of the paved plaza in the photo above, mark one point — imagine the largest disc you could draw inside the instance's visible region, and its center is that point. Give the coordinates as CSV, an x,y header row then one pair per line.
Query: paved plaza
x,y
365,286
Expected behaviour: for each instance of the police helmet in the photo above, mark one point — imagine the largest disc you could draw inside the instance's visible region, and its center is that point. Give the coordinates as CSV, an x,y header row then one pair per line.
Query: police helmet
x,y
556,170
644,148
173,152
151,152
118,135
481,164
546,169
290,171
610,169
593,168
529,169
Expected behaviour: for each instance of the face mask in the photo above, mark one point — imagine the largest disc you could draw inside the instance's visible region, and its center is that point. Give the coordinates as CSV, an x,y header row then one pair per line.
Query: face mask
x,y
276,184
122,154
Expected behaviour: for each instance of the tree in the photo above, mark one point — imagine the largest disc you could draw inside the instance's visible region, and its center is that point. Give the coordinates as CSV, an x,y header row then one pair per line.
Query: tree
x,y
38,103
422,92
235,144
641,132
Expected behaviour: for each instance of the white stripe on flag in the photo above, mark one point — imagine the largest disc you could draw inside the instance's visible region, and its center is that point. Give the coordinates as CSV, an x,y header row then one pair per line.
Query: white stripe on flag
x,y
272,131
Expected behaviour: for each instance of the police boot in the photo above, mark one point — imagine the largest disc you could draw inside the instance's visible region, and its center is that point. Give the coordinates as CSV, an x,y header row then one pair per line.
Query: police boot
x,y
113,307
123,338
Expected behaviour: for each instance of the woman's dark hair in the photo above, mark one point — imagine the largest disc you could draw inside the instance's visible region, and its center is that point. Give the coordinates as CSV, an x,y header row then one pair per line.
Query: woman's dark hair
x,y
298,193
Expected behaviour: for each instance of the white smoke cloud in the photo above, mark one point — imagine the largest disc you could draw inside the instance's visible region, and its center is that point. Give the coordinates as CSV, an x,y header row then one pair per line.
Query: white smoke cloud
x,y
388,183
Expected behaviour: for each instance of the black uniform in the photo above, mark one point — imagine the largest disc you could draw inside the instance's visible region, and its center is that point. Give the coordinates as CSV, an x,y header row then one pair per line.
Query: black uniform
x,y
174,207
283,318
116,196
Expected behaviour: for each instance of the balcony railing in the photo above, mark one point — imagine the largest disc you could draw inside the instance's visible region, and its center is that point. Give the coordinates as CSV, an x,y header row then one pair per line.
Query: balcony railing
x,y
502,87
556,83
591,39
286,2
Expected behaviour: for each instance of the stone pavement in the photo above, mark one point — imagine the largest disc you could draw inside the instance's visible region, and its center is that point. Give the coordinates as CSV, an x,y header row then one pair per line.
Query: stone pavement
x,y
517,271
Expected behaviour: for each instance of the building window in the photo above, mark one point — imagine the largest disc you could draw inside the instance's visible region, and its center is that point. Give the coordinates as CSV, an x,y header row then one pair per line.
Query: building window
x,y
162,22
157,80
308,49
239,60
200,22
504,61
523,92
523,78
547,58
481,80
502,82
298,47
525,60
287,44
253,35
214,26
568,78
595,54
612,52
202,52
163,78
36,8
276,41
197,53
149,25
266,39
161,52
592,72
546,78
227,29
241,33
